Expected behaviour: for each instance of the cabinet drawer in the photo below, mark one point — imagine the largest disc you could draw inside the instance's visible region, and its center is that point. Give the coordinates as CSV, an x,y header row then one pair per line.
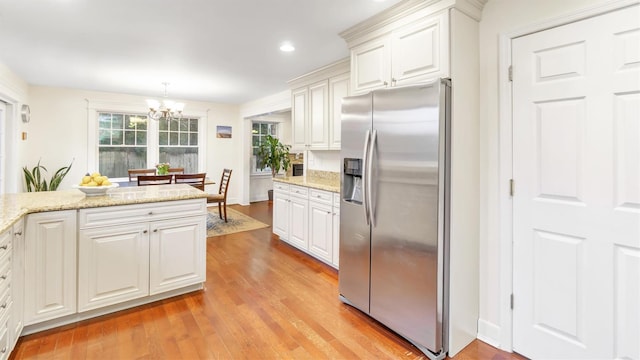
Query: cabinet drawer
x,y
278,186
5,301
4,335
5,246
299,191
116,215
5,276
321,196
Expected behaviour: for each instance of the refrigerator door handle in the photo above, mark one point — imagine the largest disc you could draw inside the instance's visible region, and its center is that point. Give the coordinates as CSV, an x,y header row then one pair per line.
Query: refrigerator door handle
x,y
372,146
365,180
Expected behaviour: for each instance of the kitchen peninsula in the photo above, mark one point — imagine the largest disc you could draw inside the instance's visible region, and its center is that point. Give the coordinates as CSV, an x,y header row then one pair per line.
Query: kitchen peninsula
x,y
82,257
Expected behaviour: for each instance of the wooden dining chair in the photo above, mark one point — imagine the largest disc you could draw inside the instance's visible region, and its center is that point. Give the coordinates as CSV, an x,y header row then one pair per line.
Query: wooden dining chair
x,y
144,180
221,196
195,180
134,173
174,171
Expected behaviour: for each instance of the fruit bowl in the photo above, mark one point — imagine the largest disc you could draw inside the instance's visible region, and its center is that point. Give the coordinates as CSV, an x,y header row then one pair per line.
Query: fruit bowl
x,y
95,190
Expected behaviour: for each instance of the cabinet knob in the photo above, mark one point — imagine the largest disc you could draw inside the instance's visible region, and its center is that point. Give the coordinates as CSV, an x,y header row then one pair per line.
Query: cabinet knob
x,y
144,232
3,277
4,306
155,230
4,350
4,247
150,212
18,233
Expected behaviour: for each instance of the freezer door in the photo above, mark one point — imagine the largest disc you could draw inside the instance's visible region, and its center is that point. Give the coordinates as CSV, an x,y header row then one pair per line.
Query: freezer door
x,y
406,292
355,239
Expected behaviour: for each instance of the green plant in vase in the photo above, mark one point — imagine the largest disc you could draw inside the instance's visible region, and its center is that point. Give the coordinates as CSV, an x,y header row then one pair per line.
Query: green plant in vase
x,y
273,154
162,169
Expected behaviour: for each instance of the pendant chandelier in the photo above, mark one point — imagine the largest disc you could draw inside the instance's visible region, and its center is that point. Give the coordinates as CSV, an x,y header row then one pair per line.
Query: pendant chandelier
x,y
167,110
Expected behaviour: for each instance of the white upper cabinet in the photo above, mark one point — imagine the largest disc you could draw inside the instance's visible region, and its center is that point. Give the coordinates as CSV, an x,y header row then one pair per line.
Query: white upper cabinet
x,y
417,51
338,89
316,101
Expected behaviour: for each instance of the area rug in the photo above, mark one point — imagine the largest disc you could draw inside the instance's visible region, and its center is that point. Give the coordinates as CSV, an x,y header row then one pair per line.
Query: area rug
x,y
237,222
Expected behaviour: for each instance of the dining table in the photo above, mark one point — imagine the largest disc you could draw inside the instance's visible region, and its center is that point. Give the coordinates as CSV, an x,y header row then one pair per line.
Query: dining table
x,y
207,181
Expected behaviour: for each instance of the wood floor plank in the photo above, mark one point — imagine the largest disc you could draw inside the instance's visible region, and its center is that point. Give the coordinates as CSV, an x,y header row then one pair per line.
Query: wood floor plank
x,y
262,299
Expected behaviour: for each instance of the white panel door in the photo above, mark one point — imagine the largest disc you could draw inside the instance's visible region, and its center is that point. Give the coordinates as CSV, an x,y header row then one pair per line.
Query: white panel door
x,y
576,209
420,51
298,222
177,253
299,119
50,266
371,65
338,89
113,265
321,231
318,123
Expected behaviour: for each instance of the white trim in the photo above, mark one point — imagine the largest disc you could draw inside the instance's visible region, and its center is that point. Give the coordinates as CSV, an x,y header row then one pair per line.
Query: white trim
x,y
489,333
505,151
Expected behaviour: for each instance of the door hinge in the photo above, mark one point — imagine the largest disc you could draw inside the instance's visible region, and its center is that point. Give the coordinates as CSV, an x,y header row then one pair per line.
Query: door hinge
x,y
512,187
511,301
510,73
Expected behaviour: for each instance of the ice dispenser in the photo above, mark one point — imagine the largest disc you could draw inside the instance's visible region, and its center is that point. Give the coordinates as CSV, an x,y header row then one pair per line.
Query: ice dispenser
x,y
352,185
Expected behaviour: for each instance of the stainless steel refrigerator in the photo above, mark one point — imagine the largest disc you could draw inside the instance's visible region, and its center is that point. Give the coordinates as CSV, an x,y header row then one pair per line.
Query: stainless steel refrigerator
x,y
394,210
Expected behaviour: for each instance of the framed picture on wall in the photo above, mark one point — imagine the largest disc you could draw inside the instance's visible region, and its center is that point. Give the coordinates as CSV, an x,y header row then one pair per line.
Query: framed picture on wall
x,y
223,132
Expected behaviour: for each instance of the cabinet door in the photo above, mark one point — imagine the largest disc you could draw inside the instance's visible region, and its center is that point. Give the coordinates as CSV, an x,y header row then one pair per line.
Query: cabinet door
x,y
420,51
16,322
370,65
50,266
281,215
318,123
321,231
177,253
338,89
113,265
298,222
299,119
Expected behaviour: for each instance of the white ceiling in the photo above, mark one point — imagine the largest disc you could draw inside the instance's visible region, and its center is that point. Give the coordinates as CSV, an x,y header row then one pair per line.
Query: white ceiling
x,y
209,50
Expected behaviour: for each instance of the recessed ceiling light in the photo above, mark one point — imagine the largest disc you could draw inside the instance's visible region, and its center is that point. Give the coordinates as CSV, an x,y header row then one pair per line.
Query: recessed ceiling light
x,y
287,47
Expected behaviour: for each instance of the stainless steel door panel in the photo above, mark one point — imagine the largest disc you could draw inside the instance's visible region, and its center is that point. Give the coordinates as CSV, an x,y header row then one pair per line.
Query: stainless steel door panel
x,y
404,247
354,231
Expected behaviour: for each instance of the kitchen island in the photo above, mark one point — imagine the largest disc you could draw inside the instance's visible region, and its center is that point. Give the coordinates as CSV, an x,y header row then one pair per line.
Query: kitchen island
x,y
66,257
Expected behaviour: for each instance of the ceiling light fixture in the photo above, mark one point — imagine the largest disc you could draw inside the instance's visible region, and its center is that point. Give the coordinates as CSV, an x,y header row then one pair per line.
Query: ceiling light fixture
x,y
167,110
287,47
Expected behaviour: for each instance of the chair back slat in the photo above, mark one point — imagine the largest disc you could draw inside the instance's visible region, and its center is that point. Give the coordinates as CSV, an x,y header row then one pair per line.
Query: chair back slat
x,y
224,182
134,173
177,170
195,180
144,180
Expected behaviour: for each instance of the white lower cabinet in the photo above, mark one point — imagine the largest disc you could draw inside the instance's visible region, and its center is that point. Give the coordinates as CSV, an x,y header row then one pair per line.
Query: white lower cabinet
x,y
307,219
177,254
50,266
16,323
155,252
281,210
113,265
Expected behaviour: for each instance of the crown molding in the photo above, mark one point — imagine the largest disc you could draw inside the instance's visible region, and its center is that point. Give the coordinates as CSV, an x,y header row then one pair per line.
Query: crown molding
x,y
336,68
409,9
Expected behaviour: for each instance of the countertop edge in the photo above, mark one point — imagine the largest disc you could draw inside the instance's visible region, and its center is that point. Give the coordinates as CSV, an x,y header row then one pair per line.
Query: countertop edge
x,y
313,183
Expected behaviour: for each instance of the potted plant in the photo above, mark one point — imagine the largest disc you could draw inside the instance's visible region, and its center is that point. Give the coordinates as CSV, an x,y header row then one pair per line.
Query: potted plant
x,y
274,155
35,180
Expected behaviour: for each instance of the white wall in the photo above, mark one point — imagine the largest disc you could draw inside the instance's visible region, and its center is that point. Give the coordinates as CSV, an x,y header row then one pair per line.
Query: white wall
x,y
15,92
58,132
328,160
500,17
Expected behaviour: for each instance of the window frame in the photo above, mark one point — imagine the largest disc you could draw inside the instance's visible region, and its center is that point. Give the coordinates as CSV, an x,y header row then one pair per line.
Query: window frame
x,y
153,148
253,161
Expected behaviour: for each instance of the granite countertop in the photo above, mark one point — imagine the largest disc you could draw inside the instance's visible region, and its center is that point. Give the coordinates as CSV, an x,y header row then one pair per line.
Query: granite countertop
x,y
320,183
15,206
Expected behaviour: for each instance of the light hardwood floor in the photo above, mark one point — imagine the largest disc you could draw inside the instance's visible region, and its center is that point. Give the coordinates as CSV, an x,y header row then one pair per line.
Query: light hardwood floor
x,y
262,300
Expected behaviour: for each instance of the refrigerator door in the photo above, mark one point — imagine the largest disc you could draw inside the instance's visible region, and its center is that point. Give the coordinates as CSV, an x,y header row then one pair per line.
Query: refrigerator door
x,y
354,229
406,293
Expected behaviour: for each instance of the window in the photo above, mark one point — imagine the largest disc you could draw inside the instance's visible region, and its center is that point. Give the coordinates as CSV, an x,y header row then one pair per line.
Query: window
x,y
259,132
122,143
128,141
178,143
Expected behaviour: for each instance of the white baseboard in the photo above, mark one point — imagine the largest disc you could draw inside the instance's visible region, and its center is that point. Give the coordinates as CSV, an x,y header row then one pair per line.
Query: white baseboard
x,y
489,333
